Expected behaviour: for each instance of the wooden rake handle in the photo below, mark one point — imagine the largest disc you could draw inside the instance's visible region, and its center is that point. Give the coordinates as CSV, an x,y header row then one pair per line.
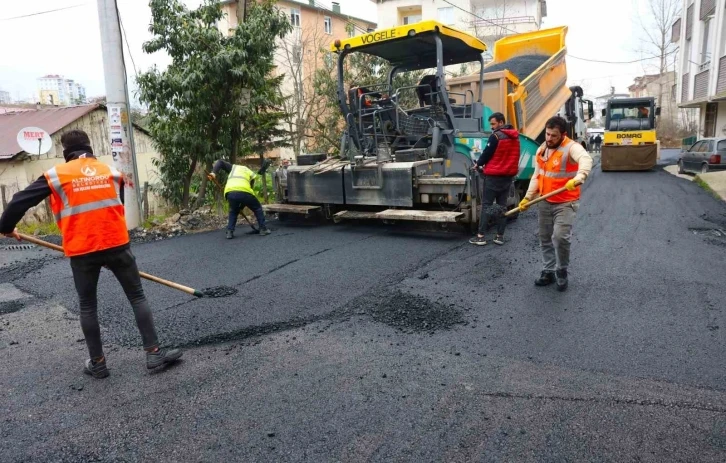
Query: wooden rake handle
x,y
144,275
535,201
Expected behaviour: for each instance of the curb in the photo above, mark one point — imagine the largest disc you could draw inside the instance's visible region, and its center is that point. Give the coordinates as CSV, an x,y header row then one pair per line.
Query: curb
x,y
717,193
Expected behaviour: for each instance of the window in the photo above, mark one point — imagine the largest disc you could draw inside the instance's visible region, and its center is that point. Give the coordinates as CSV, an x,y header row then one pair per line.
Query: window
x,y
696,146
706,147
328,23
706,44
295,17
721,145
414,18
328,60
446,15
297,53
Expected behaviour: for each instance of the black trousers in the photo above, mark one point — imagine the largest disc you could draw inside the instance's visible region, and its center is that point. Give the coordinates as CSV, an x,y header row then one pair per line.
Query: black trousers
x,y
494,203
86,270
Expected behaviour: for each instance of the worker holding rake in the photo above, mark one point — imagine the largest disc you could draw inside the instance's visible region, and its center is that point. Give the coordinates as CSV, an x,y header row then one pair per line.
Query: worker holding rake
x,y
86,198
239,193
562,164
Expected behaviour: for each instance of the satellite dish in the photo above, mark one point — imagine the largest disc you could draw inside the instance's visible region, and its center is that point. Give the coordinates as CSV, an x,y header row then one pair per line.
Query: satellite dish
x,y
34,141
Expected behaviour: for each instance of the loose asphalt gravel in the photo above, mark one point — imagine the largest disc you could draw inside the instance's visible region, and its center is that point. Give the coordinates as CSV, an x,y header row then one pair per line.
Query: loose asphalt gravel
x,y
374,343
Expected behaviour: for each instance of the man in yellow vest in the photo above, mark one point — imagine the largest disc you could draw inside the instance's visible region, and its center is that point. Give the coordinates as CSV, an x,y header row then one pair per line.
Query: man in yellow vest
x,y
561,162
239,193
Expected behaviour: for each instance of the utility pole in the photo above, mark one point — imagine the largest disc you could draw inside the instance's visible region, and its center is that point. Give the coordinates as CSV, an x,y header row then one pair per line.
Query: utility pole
x,y
120,132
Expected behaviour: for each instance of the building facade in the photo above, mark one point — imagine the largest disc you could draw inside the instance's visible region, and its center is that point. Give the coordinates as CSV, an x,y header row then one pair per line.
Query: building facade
x,y
660,87
700,33
58,91
489,20
298,56
5,97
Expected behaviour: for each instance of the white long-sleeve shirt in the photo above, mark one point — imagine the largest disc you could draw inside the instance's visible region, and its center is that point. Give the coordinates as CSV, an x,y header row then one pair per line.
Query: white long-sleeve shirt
x,y
577,154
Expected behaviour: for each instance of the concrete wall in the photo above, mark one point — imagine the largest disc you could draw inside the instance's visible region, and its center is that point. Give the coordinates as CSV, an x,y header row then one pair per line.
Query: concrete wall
x,y
15,175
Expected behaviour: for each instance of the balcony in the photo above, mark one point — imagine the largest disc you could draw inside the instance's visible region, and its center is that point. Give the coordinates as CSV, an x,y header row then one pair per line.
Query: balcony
x,y
676,31
700,85
721,82
685,94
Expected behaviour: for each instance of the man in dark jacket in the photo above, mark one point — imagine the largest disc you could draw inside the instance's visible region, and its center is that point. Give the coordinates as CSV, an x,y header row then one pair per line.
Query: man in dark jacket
x,y
500,159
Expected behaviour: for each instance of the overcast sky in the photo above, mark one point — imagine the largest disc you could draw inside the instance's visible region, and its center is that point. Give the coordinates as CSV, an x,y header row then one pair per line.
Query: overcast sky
x,y
67,42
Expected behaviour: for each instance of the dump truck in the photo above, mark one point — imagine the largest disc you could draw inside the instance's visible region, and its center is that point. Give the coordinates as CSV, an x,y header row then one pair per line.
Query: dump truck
x,y
404,162
630,142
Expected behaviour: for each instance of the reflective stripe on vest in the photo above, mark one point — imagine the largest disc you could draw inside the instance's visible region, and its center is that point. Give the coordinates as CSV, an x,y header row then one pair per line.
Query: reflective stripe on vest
x,y
56,184
551,180
85,202
239,180
69,210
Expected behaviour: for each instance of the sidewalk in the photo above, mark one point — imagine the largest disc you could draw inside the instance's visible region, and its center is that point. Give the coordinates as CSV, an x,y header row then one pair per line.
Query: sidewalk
x,y
715,181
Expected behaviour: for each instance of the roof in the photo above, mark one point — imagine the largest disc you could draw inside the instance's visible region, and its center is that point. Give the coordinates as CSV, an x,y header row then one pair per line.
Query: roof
x,y
50,119
412,46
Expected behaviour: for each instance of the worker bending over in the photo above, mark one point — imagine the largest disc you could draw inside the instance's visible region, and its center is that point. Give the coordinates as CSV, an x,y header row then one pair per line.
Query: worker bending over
x,y
500,159
239,193
561,162
86,197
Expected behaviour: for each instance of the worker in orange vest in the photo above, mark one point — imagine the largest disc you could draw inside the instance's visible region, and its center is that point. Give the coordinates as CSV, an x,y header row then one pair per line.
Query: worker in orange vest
x,y
86,198
561,162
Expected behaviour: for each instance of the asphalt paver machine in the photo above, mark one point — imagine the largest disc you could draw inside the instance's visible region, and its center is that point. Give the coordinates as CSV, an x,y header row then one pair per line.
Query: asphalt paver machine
x,y
409,162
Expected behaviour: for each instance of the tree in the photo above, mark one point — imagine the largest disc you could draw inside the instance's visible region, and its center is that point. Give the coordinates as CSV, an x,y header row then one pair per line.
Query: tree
x,y
196,105
302,52
657,44
261,122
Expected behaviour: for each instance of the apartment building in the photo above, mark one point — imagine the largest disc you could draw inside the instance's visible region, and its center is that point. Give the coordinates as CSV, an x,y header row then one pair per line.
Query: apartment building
x,y
58,91
315,26
489,20
700,33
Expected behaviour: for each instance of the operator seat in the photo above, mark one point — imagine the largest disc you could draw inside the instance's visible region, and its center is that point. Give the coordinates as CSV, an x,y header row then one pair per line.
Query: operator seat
x,y
428,91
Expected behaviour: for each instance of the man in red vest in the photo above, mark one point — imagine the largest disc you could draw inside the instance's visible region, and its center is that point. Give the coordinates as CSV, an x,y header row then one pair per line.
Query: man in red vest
x,y
561,162
500,159
86,197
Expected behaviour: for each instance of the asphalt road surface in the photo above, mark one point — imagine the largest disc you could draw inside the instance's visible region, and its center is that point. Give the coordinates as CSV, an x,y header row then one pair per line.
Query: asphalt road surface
x,y
373,343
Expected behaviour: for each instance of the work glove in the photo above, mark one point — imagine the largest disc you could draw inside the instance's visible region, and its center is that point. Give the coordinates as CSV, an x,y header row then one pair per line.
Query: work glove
x,y
571,185
211,176
523,204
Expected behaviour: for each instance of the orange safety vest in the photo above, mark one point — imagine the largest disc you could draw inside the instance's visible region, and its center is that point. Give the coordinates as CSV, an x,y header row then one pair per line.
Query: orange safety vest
x,y
555,171
85,202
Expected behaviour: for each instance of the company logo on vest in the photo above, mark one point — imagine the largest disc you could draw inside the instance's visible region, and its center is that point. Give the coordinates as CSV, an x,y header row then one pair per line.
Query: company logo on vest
x,y
88,171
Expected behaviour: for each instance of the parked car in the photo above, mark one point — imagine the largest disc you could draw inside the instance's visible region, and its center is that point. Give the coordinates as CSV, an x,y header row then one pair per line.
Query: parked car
x,y
708,154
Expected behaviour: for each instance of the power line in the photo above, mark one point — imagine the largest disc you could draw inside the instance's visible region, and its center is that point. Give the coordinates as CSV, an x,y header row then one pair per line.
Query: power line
x,y
43,12
483,19
621,62
126,39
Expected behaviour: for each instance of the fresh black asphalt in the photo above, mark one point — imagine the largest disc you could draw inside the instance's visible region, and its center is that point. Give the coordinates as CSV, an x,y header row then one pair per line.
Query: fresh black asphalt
x,y
362,342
